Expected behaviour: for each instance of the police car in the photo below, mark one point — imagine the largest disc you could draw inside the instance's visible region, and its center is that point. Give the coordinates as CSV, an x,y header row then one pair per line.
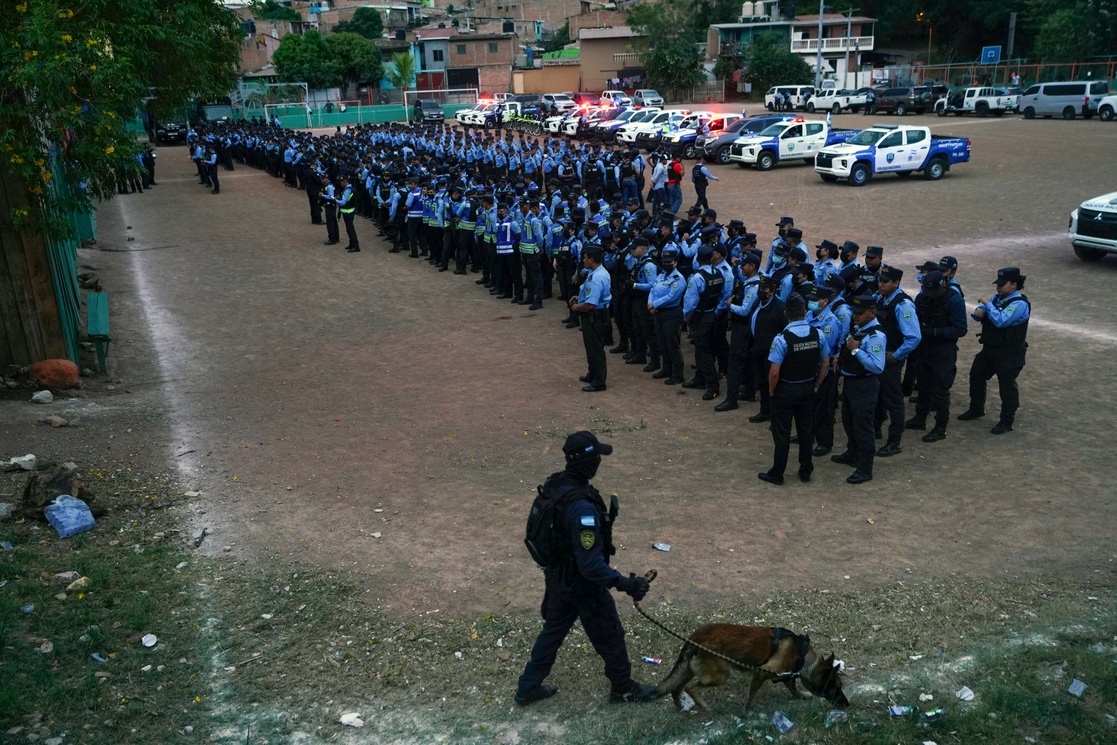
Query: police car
x,y
1093,227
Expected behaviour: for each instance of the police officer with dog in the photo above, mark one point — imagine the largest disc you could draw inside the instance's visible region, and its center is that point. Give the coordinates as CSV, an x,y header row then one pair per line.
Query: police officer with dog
x,y
575,554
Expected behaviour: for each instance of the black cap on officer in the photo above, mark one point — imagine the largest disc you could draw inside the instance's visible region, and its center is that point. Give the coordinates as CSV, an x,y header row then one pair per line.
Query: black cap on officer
x,y
794,235
948,262
785,221
862,303
927,266
584,444
893,273
874,252
751,258
933,279
849,247
818,292
1009,274
795,303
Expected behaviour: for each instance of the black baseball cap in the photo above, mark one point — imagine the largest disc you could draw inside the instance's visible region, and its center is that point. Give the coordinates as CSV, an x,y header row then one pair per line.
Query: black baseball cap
x,y
893,273
948,262
873,252
862,303
927,266
934,279
1008,274
584,444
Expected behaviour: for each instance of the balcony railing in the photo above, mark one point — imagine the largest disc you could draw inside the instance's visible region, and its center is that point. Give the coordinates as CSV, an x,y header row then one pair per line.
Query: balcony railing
x,y
836,44
625,57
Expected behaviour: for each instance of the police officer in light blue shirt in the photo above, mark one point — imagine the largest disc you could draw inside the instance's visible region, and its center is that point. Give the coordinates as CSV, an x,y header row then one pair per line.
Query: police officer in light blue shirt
x,y
831,333
897,316
1004,333
665,302
592,305
861,362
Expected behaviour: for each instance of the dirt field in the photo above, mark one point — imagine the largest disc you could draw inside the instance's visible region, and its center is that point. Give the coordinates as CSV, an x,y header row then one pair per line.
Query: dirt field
x,y
316,397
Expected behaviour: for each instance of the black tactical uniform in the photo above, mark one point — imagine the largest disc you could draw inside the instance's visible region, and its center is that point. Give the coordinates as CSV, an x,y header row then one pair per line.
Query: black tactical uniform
x,y
578,583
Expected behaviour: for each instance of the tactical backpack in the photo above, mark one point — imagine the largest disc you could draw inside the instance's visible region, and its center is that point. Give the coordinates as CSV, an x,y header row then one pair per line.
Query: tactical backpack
x,y
543,536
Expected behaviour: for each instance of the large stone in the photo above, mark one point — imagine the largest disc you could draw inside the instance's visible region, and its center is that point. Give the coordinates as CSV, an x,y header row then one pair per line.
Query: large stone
x,y
55,374
43,397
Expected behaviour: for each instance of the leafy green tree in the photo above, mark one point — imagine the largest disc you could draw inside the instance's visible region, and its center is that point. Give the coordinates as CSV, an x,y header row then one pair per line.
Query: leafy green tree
x,y
725,67
666,20
1072,30
767,61
273,11
559,40
306,59
366,22
674,67
401,71
74,76
356,59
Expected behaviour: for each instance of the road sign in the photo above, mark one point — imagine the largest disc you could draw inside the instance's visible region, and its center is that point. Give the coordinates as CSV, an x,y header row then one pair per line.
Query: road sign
x,y
990,55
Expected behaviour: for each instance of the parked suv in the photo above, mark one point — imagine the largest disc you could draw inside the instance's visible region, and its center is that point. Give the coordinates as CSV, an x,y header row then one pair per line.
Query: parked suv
x,y
428,110
901,100
170,132
647,97
715,146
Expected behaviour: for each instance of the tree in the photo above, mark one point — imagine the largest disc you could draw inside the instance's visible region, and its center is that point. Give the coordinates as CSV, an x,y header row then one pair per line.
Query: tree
x,y
665,20
355,58
273,11
74,78
1072,30
365,22
306,59
674,67
725,67
559,40
767,61
401,72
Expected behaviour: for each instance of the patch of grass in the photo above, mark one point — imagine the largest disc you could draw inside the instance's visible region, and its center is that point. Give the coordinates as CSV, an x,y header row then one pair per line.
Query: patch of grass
x,y
135,589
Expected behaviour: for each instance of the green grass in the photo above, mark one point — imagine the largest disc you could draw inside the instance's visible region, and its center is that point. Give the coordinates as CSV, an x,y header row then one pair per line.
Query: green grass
x,y
322,651
135,590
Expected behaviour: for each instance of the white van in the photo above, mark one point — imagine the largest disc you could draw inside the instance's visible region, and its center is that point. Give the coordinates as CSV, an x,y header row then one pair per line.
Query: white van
x,y
799,95
1067,100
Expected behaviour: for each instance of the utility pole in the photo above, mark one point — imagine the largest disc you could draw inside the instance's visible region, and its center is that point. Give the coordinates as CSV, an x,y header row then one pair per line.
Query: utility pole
x,y
849,41
818,57
1011,41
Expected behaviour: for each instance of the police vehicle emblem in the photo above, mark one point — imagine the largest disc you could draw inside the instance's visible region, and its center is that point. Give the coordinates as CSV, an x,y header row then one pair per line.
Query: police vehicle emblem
x,y
890,157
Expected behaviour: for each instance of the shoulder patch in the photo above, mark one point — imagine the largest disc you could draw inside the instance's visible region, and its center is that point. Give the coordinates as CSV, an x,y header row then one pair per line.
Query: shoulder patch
x,y
876,349
588,538
589,521
907,315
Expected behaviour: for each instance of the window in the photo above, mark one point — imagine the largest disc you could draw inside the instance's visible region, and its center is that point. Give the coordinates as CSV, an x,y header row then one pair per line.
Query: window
x,y
916,135
1066,90
893,140
461,48
436,55
796,131
1032,91
492,47
813,129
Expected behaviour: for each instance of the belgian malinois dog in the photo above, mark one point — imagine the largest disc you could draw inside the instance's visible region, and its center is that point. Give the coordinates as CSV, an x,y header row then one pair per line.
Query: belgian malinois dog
x,y
771,653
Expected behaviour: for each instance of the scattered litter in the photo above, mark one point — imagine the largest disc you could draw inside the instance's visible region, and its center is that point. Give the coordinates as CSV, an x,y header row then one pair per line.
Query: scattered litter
x,y
180,565
43,397
80,583
934,714
915,657
352,720
965,694
7,509
99,657
661,546
926,697
652,660
686,702
199,535
102,675
69,516
7,546
46,647
145,669
782,723
869,520
836,717
929,742
149,640
61,596
899,711
377,510
53,741
266,616
29,608
458,655
64,578
1091,598
500,642
1111,720
192,494
21,463
376,535
1077,688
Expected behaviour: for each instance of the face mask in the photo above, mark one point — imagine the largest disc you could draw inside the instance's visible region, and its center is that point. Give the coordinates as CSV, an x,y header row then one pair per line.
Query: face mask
x,y
813,305
919,278
779,260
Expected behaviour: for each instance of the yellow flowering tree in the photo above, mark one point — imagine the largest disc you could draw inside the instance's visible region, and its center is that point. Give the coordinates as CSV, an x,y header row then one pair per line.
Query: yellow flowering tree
x,y
74,74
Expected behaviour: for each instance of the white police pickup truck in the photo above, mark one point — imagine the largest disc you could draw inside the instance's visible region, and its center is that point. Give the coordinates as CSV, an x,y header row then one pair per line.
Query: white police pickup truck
x,y
1093,228
798,139
889,148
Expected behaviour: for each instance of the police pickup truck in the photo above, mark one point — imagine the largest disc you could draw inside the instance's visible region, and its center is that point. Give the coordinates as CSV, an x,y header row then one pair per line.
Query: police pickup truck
x,y
885,148
980,101
1093,228
798,139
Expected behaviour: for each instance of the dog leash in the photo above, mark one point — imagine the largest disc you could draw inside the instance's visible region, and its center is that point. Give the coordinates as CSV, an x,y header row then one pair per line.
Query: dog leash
x,y
651,575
